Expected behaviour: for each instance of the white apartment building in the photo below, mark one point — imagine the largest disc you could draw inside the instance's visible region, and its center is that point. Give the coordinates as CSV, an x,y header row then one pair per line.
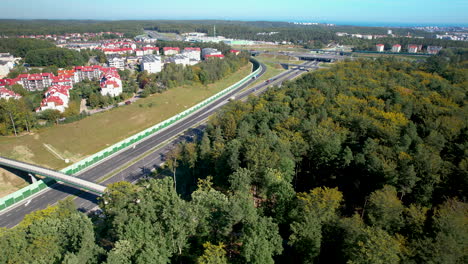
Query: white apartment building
x,y
192,53
5,67
111,84
380,47
396,48
117,62
151,63
412,48
179,59
7,94
56,98
210,51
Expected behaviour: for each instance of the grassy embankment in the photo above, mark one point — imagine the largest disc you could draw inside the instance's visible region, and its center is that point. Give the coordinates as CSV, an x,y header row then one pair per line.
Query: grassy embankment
x,y
273,66
80,139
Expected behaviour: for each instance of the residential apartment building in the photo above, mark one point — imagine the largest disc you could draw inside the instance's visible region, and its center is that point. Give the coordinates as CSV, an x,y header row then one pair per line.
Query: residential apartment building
x,y
412,48
179,59
56,97
380,47
210,52
151,63
171,50
7,82
5,67
219,56
7,94
150,50
192,53
110,83
35,82
396,48
139,52
87,72
433,49
117,62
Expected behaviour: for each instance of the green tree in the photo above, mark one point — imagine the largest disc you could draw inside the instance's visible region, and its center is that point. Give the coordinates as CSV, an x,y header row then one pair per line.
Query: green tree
x,y
314,209
385,209
213,254
364,244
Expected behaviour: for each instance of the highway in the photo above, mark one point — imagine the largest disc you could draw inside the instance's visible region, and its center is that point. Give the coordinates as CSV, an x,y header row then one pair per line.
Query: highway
x,y
307,56
154,157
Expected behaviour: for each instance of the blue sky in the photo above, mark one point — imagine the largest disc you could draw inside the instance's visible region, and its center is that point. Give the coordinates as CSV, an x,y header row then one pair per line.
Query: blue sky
x,y
364,11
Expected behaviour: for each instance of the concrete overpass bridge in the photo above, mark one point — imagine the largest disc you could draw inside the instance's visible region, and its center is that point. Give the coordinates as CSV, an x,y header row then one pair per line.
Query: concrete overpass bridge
x,y
56,175
299,66
305,56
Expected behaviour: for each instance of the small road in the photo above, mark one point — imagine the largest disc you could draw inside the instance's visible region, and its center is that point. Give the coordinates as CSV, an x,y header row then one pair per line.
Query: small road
x,y
154,148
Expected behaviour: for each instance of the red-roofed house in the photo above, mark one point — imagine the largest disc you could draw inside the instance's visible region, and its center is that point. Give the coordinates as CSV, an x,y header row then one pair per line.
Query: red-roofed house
x,y
109,51
380,47
235,52
71,73
7,94
110,82
396,48
56,98
53,103
192,49
221,56
150,50
412,48
171,50
8,82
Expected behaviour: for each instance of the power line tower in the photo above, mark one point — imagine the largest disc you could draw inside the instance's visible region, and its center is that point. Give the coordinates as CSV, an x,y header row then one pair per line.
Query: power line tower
x,y
214,31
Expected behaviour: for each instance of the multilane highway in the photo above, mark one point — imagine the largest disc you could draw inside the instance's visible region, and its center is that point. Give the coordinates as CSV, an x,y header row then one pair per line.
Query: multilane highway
x,y
154,149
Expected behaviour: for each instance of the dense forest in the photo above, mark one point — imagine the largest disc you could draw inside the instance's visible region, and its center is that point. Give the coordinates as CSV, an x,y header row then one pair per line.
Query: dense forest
x,y
132,27
40,53
315,36
365,162
311,36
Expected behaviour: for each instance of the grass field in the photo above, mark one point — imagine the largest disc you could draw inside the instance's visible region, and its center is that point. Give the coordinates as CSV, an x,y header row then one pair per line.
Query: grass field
x,y
80,139
273,66
10,182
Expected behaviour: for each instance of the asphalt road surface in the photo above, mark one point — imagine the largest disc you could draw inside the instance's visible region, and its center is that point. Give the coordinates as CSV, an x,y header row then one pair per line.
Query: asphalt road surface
x,y
154,149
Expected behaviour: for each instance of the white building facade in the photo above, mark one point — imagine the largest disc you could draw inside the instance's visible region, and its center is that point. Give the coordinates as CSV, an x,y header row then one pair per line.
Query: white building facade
x,y
151,63
111,84
117,62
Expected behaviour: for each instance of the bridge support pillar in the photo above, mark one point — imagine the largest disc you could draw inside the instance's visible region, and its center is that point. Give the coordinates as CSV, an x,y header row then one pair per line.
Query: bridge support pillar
x,y
33,179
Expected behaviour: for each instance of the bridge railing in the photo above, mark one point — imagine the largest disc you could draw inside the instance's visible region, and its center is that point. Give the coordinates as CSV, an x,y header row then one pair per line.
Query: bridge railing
x,y
31,189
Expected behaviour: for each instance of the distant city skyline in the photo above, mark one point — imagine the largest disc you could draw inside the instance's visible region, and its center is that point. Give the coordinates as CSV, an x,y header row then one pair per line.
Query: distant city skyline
x,y
350,12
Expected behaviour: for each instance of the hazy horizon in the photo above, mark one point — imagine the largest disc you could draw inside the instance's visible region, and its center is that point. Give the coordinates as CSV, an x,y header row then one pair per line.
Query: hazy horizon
x,y
342,12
